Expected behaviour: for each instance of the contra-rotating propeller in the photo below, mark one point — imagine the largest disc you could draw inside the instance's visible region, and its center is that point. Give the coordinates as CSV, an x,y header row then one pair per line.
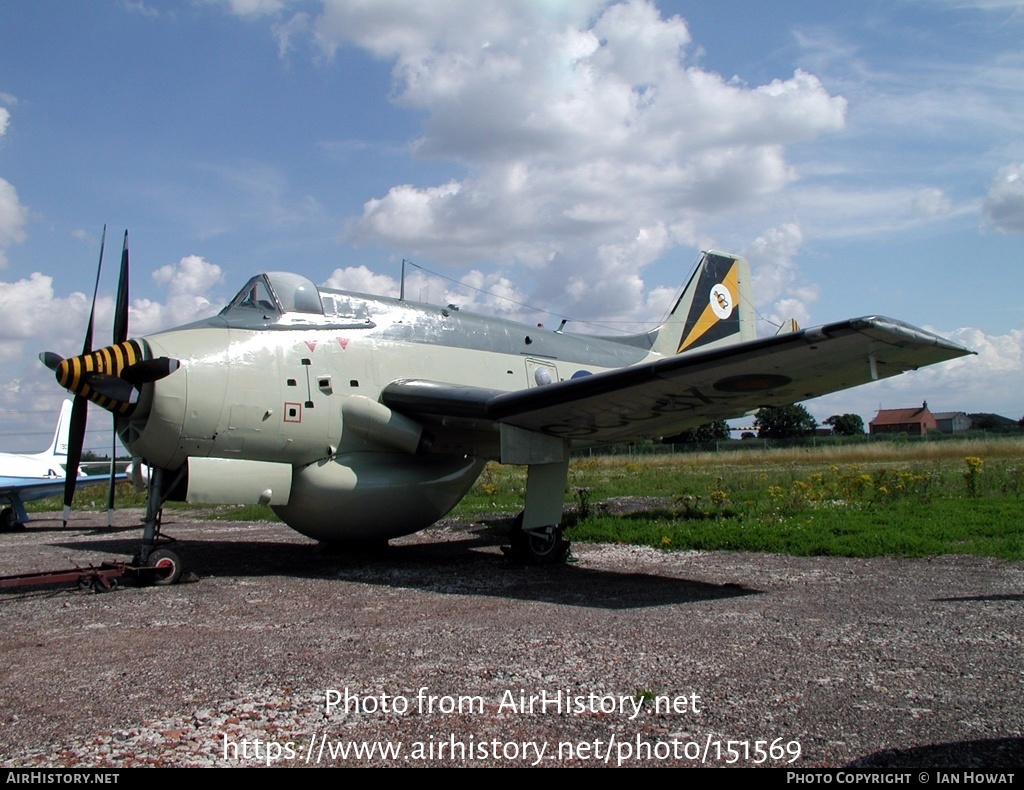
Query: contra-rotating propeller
x,y
120,335
110,377
80,408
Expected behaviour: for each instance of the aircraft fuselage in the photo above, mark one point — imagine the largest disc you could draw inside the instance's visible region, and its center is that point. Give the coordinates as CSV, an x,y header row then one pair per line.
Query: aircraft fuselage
x,y
303,390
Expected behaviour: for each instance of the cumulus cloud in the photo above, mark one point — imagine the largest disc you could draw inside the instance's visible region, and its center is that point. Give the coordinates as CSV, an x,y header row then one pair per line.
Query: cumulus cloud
x,y
778,291
12,219
362,280
494,293
32,308
592,142
932,202
1004,204
12,214
188,283
256,8
24,301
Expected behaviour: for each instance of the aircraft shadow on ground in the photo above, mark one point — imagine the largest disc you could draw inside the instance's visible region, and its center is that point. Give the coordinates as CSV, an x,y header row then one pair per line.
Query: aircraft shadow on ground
x,y
54,527
986,756
451,567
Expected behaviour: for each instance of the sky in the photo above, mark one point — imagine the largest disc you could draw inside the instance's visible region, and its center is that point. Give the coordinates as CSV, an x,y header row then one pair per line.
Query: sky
x,y
536,159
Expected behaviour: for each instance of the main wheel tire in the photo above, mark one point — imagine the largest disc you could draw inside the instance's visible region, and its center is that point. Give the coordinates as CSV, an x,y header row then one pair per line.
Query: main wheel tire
x,y
8,521
545,546
167,566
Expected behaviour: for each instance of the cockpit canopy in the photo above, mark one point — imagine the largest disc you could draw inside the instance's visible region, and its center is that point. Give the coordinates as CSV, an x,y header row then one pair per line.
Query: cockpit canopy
x,y
278,292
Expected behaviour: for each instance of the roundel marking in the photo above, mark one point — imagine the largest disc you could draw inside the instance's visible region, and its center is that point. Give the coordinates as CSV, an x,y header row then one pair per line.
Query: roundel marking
x,y
721,301
754,382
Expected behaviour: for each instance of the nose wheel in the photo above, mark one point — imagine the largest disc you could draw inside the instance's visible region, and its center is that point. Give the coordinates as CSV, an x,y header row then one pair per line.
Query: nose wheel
x,y
166,566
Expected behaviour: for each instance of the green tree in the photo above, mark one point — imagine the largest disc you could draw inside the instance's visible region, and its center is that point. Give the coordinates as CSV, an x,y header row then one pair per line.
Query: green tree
x,y
846,424
708,432
784,422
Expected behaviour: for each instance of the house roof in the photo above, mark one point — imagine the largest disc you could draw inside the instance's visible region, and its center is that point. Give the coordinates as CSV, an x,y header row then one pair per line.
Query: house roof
x,y
901,416
993,419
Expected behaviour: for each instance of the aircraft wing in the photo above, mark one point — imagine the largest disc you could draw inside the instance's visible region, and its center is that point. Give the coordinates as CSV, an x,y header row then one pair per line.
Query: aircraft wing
x,y
669,395
29,489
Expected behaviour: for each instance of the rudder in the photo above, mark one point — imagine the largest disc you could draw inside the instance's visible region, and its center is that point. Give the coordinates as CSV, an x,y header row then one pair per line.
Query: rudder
x,y
715,308
59,446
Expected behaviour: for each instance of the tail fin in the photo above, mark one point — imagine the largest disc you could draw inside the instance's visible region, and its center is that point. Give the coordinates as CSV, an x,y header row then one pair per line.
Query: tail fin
x,y
714,310
59,447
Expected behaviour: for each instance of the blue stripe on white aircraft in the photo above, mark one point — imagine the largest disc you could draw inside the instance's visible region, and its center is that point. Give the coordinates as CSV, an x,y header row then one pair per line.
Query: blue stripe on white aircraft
x,y
26,478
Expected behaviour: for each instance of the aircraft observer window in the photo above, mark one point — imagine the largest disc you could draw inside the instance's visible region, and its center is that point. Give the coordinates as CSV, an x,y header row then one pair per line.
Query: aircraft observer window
x,y
346,307
295,293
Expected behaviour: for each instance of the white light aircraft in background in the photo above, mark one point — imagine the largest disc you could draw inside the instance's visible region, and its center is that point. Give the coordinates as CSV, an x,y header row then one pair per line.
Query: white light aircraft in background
x,y
27,477
359,417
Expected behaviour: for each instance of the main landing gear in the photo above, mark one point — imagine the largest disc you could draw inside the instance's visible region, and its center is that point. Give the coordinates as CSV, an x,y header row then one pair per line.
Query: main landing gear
x,y
9,521
540,546
536,535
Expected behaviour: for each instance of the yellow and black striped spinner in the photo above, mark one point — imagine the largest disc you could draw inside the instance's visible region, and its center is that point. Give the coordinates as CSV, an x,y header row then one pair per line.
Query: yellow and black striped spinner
x,y
107,364
715,312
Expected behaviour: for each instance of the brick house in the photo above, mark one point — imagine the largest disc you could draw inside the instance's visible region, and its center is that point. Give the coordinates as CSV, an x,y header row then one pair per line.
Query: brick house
x,y
916,422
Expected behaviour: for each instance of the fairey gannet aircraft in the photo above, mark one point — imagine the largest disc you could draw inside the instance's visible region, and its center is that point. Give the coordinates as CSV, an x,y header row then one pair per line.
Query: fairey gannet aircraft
x,y
359,417
27,477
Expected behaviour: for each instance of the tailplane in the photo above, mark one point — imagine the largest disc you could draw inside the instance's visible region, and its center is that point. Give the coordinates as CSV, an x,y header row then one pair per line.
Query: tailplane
x,y
714,310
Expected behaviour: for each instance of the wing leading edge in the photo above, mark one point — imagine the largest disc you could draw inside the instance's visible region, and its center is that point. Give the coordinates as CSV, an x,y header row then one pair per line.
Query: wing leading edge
x,y
670,395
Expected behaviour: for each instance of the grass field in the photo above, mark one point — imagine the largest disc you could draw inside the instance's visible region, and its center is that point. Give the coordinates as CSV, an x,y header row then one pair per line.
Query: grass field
x,y
857,501
862,500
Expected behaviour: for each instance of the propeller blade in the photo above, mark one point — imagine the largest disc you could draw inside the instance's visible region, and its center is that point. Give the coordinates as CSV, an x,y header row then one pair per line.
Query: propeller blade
x,y
87,345
113,387
80,409
149,370
120,335
76,438
113,482
121,307
50,359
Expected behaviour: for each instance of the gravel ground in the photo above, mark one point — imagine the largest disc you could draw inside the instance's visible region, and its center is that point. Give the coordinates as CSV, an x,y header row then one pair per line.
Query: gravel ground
x,y
441,644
